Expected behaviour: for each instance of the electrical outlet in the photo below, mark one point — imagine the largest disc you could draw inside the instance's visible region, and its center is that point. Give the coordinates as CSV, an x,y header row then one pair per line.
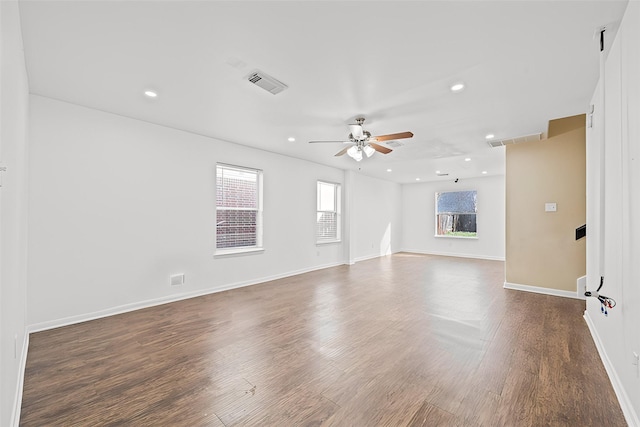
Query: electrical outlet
x,y
176,280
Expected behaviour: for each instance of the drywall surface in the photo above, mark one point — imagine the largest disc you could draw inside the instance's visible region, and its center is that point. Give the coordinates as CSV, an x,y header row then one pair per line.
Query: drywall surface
x,y
541,249
418,219
375,217
118,205
613,210
13,212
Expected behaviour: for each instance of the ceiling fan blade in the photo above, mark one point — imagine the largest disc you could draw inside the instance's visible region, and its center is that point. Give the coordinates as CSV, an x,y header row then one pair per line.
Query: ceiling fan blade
x,y
341,152
326,142
380,148
391,136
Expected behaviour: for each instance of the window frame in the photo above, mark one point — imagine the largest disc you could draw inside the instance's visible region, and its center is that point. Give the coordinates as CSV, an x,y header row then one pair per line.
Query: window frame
x,y
239,250
337,197
435,222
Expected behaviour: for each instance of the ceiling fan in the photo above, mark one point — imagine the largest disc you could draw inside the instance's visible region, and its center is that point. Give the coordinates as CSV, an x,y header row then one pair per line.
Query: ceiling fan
x,y
362,142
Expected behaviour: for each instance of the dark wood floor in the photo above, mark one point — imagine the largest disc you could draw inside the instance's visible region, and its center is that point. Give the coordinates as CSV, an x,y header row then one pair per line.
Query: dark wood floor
x,y
406,340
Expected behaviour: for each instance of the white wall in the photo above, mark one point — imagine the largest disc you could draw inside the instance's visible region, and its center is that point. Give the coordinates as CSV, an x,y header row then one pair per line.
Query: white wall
x,y
118,205
375,217
418,219
13,206
618,245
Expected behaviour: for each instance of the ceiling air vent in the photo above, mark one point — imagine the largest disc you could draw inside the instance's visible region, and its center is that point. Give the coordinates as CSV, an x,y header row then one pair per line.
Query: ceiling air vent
x,y
516,140
266,82
394,144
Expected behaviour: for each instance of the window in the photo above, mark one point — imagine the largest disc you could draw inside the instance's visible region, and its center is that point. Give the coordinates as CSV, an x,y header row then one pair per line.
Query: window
x,y
328,214
238,209
456,214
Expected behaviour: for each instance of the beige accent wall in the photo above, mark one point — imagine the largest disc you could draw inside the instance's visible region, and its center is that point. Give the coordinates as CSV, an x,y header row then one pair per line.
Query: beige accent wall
x,y
541,249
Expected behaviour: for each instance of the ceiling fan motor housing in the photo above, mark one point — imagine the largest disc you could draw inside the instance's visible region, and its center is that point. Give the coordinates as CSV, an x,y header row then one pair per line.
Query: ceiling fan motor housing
x,y
365,137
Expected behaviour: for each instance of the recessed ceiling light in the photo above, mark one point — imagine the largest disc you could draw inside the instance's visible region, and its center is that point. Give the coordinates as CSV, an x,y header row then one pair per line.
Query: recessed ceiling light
x,y
467,159
150,93
291,139
490,136
417,179
484,172
389,170
457,87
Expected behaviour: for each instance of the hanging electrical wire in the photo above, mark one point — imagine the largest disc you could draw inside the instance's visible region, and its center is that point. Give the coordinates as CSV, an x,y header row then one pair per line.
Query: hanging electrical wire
x,y
606,302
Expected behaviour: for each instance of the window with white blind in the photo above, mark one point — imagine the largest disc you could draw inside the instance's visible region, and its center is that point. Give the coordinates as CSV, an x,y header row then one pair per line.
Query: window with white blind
x,y
328,214
238,209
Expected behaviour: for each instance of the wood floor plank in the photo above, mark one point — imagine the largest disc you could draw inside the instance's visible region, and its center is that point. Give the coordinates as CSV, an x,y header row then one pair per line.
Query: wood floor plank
x,y
403,340
479,407
429,415
385,400
296,407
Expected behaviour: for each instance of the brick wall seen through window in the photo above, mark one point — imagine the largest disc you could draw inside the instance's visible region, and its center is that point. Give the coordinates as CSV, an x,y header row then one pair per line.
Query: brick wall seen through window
x,y
238,210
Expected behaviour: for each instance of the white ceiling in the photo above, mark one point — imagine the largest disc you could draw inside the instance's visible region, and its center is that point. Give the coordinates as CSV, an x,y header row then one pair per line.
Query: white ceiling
x,y
523,63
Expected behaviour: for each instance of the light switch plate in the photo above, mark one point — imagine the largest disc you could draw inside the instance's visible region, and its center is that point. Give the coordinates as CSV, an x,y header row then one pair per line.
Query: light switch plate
x,y
550,207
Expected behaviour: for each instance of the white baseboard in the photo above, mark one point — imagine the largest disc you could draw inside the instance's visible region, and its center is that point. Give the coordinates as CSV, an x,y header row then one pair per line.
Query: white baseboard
x,y
43,326
17,402
368,257
540,290
625,403
453,254
365,258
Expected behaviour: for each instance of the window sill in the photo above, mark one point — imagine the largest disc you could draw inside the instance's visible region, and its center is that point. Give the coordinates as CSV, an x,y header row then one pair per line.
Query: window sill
x,y
237,252
455,237
328,242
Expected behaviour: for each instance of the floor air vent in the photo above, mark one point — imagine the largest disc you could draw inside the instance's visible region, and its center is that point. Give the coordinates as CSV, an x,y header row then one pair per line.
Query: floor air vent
x,y
517,140
266,82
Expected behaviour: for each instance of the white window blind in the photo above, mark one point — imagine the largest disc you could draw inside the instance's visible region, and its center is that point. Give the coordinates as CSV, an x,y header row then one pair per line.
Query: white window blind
x,y
328,212
238,207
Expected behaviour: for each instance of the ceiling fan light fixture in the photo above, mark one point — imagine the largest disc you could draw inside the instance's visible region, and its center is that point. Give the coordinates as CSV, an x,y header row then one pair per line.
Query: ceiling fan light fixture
x,y
369,150
355,153
362,141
